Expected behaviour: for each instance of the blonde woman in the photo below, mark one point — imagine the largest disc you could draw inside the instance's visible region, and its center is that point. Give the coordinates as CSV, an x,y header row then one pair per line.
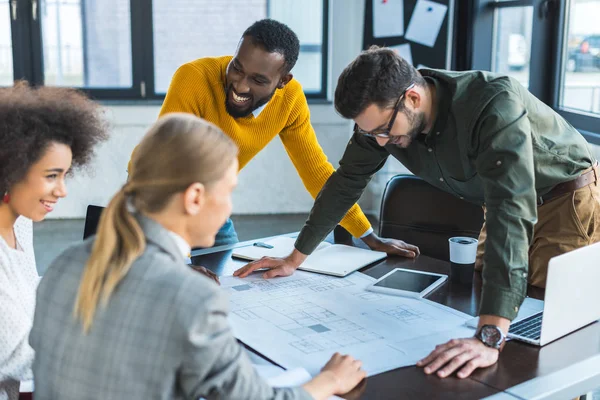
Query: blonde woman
x,y
121,316
43,133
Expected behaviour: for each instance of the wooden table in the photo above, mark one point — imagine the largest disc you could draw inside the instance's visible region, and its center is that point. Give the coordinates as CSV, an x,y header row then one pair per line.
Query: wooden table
x,y
563,369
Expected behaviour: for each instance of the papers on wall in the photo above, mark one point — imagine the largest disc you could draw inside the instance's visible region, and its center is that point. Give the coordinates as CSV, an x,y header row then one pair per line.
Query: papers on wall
x,y
425,22
388,18
404,51
301,320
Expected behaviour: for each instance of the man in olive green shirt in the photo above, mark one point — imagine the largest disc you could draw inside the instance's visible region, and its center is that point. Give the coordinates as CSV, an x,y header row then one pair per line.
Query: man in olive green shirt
x,y
485,139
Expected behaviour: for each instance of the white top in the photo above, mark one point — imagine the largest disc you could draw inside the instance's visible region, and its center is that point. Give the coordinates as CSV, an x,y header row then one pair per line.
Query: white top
x,y
18,283
182,245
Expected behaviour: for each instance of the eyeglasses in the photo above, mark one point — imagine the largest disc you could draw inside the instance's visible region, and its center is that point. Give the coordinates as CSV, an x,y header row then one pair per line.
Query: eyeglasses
x,y
385,132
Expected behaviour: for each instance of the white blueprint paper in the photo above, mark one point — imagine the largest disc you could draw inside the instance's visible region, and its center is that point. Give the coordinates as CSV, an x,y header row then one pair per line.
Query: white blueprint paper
x,y
388,18
425,22
301,320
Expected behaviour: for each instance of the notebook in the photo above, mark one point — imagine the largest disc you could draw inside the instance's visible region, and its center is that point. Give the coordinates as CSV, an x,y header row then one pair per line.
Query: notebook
x,y
330,259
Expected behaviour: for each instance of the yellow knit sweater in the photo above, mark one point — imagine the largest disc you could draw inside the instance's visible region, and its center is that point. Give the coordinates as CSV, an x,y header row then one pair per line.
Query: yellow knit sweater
x,y
198,88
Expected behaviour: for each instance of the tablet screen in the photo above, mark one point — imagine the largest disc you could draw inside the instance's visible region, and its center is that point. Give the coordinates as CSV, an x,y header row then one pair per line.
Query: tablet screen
x,y
409,281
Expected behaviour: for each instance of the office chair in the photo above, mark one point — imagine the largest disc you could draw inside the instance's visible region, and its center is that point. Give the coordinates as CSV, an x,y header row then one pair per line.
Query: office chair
x,y
92,219
418,213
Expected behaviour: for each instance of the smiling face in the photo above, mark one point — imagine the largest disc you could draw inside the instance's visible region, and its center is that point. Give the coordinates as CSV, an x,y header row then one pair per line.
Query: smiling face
x,y
37,194
252,77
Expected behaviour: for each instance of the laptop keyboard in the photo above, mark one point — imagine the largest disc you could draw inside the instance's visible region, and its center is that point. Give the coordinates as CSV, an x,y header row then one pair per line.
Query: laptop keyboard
x,y
530,327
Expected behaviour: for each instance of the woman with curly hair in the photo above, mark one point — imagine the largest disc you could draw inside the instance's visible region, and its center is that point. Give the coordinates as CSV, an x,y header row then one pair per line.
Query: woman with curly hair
x,y
43,134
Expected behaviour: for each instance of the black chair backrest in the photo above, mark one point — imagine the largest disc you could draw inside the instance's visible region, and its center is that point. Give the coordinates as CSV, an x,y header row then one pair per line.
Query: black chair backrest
x,y
421,214
92,219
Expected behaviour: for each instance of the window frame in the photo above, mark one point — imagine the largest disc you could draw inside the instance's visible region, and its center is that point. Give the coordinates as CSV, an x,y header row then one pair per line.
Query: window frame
x,y
549,32
587,123
28,64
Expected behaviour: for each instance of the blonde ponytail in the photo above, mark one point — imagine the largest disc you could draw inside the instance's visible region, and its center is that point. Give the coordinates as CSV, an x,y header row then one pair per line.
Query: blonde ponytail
x,y
179,149
119,241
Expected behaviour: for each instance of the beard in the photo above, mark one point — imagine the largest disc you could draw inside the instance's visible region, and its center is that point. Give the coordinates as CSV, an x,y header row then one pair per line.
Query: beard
x,y
417,125
237,112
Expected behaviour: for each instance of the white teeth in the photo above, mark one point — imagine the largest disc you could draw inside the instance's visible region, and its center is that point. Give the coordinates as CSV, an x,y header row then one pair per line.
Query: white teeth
x,y
239,99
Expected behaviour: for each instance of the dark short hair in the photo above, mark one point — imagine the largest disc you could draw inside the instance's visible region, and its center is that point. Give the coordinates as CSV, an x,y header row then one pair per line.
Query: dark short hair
x,y
33,119
377,76
276,37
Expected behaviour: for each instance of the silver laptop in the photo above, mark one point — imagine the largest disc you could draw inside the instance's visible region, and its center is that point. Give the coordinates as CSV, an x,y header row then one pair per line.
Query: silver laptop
x,y
572,298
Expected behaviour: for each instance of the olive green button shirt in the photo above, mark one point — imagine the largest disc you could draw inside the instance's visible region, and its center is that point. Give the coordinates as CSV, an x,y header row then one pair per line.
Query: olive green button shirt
x,y
492,143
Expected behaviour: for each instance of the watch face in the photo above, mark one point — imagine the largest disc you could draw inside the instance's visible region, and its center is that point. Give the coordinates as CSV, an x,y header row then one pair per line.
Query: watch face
x,y
491,335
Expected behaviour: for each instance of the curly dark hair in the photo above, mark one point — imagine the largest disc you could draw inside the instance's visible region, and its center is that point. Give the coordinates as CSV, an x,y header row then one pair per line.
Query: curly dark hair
x,y
377,76
33,119
276,37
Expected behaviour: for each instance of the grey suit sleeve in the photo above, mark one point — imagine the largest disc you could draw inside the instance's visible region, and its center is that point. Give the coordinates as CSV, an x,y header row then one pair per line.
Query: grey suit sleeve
x,y
215,365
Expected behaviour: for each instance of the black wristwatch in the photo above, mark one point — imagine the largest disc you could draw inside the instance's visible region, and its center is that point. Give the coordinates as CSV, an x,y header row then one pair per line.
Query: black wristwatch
x,y
491,336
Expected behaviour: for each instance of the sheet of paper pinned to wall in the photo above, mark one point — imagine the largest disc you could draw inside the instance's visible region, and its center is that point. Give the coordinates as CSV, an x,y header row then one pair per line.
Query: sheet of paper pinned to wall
x,y
425,22
404,51
388,18
301,320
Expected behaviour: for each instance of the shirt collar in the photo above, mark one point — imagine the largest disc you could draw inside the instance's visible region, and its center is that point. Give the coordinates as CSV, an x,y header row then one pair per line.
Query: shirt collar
x,y
257,112
182,245
443,102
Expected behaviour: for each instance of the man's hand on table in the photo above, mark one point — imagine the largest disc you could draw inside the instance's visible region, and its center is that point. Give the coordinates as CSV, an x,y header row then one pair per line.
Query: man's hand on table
x,y
464,355
274,266
391,246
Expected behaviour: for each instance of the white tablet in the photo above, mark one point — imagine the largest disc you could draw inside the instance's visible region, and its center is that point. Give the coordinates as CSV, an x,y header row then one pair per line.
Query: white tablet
x,y
407,282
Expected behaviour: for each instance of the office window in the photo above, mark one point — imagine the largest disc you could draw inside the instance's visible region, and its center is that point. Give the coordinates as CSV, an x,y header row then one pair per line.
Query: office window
x,y
129,49
580,83
512,44
184,30
86,43
551,47
6,56
305,18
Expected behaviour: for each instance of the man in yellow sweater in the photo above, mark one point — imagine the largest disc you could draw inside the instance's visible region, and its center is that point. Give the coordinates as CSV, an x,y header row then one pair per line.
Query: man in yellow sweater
x,y
253,98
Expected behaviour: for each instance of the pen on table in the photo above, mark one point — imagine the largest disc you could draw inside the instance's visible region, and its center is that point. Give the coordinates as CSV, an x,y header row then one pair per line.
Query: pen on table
x,y
263,244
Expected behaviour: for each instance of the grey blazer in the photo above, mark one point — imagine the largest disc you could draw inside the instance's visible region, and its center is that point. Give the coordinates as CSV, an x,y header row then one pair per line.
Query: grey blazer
x,y
163,334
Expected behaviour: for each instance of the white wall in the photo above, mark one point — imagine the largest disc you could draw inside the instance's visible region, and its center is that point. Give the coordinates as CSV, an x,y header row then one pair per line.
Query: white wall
x,y
261,190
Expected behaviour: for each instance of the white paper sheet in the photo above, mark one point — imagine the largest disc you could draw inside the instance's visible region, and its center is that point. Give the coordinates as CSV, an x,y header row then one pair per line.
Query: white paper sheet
x,y
270,372
303,319
26,387
425,22
404,51
290,378
388,18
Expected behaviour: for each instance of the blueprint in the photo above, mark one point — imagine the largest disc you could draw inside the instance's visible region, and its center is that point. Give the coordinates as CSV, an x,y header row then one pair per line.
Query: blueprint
x,y
301,320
